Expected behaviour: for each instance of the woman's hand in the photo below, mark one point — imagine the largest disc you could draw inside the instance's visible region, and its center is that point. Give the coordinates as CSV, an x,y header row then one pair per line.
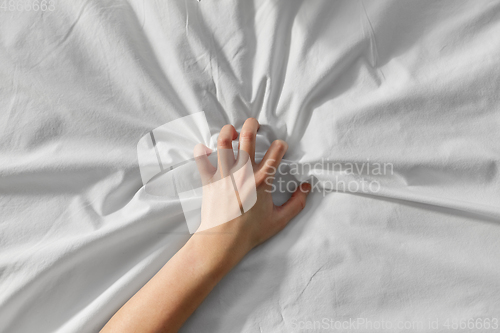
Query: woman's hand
x,y
172,295
264,219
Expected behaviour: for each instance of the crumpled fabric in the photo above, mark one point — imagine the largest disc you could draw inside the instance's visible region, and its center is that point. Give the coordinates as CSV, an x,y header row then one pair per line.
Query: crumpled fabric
x,y
411,83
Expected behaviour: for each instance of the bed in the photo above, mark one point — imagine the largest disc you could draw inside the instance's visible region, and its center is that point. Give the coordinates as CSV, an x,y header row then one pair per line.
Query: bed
x,y
410,84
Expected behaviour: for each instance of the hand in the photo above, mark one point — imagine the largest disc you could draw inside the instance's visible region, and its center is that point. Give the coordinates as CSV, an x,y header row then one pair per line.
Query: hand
x,y
172,295
264,219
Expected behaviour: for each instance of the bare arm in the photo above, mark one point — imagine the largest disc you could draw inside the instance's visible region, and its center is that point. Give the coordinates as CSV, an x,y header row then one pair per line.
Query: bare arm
x,y
173,294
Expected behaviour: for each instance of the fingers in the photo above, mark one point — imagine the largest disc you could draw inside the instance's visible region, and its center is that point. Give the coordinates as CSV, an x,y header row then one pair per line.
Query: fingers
x,y
225,149
294,205
272,158
248,135
205,168
226,136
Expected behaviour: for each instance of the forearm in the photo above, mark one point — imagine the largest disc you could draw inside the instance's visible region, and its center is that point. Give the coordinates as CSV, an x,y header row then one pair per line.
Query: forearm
x,y
173,294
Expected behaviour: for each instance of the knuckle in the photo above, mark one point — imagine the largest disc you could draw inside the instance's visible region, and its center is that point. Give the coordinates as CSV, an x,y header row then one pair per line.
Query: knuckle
x,y
224,142
247,136
281,145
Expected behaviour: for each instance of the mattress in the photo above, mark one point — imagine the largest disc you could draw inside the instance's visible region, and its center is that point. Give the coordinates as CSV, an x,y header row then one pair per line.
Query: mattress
x,y
412,86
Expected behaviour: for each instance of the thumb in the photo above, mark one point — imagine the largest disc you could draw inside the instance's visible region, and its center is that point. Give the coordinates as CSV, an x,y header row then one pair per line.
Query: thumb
x,y
295,204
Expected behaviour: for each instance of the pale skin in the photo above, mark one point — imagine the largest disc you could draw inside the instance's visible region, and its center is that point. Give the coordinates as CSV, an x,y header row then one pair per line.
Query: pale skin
x,y
181,285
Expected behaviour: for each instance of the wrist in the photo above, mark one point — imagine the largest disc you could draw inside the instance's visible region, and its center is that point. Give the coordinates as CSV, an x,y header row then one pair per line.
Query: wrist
x,y
217,253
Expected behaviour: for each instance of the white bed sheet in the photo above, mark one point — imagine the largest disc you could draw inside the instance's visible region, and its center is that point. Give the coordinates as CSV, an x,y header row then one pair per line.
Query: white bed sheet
x,y
412,83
